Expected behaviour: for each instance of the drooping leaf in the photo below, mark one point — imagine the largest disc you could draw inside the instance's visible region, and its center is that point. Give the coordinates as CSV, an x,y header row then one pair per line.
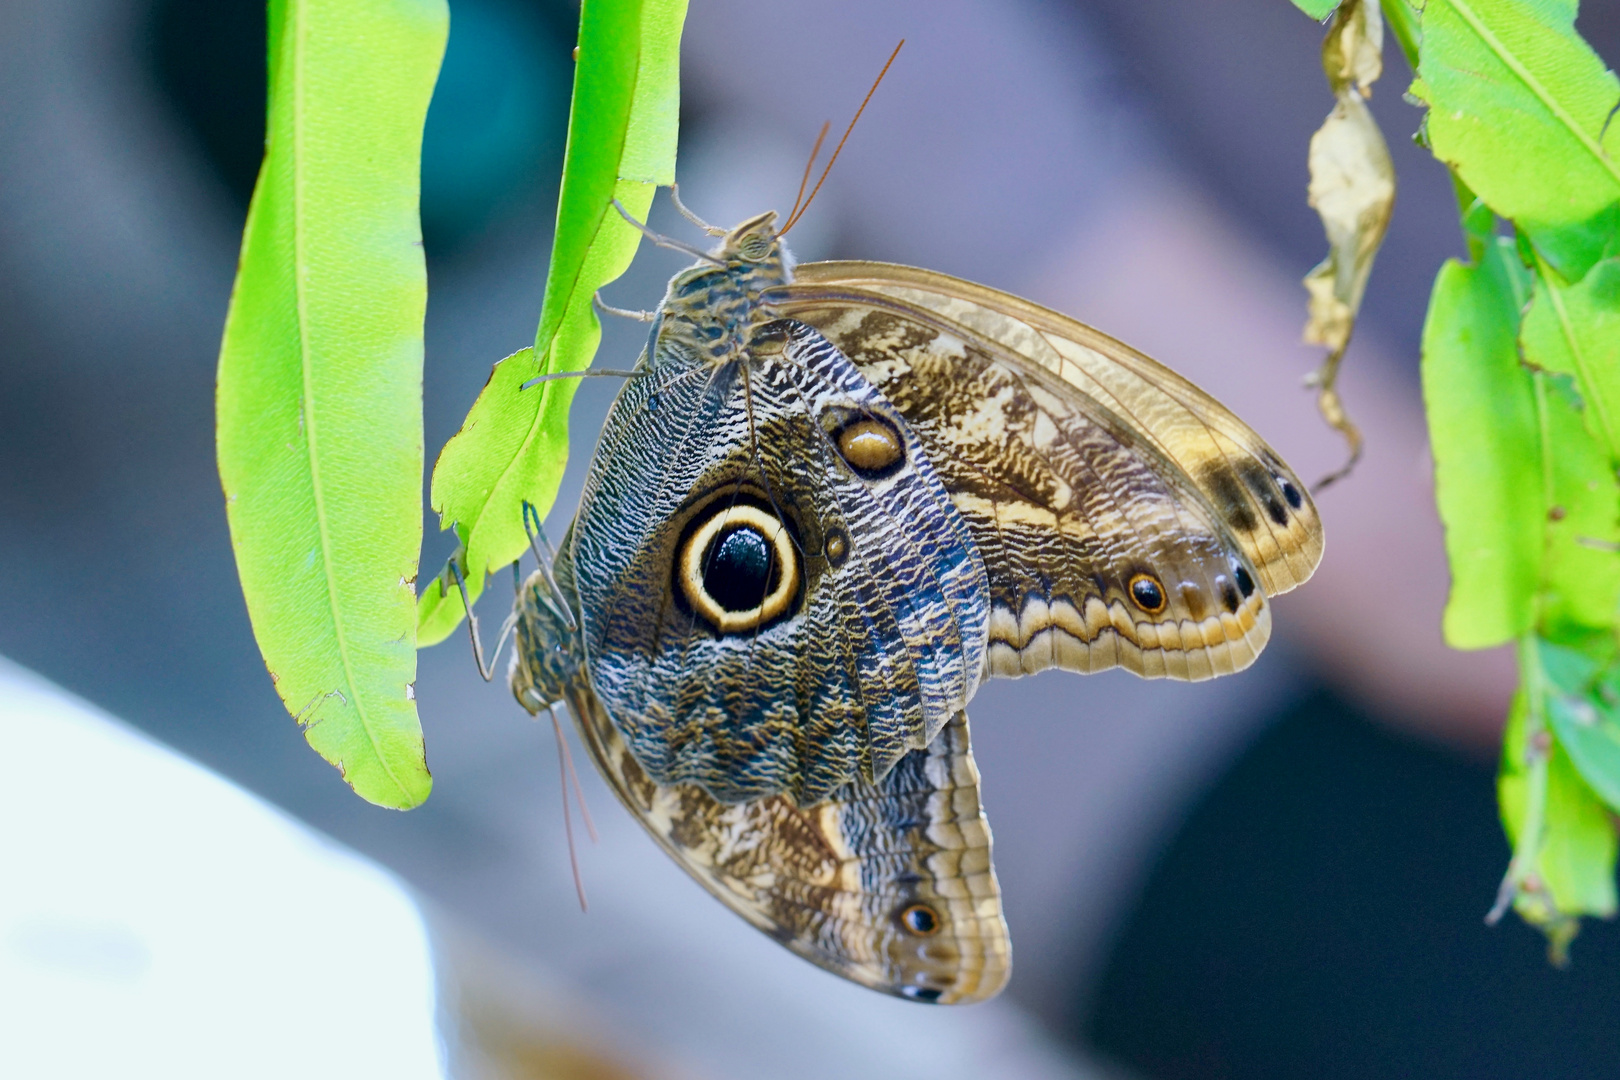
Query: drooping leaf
x,y
1564,842
1519,105
320,381
1485,436
622,129
1584,711
1575,329
1352,187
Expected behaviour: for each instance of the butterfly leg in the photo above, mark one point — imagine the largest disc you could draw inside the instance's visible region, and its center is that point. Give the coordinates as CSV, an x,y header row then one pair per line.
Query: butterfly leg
x,y
487,670
675,197
537,540
623,313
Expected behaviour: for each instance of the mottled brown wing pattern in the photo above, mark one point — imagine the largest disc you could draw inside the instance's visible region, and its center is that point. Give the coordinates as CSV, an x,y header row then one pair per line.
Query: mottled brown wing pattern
x,y
889,885
1124,516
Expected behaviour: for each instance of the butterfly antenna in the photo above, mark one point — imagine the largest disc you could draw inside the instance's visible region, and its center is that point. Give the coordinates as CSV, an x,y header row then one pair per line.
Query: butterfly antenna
x,y
793,220
804,181
568,820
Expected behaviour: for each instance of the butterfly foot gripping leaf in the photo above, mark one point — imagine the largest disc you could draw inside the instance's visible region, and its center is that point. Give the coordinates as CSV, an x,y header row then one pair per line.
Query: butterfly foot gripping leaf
x,y
889,884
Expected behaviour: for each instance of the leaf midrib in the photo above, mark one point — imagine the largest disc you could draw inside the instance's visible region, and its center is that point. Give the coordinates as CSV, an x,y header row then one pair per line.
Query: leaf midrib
x,y
1534,85
300,293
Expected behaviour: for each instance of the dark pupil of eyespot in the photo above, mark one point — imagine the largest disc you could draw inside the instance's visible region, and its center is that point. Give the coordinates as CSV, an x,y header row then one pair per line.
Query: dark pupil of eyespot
x,y
1147,594
1244,581
921,920
737,574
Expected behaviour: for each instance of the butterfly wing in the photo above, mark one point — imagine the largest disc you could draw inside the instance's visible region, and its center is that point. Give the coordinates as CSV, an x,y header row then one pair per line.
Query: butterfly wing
x,y
889,884
760,615
1125,517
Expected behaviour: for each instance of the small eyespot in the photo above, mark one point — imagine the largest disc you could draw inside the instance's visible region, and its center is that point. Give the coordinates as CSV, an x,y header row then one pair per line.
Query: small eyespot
x,y
1148,594
836,547
738,569
1245,583
1290,492
920,920
1229,596
921,993
871,446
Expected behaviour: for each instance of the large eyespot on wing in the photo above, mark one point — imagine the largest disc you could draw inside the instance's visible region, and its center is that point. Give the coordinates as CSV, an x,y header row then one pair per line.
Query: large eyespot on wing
x,y
1267,509
888,884
1069,501
779,596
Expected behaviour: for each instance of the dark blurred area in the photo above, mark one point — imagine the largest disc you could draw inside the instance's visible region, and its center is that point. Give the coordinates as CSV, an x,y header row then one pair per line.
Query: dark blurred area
x,y
1279,874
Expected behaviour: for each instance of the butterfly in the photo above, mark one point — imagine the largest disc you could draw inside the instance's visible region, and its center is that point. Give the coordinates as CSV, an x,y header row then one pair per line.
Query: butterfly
x,y
831,499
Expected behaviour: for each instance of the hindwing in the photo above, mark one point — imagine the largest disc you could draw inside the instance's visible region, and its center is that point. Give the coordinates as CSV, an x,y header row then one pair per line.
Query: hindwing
x,y
889,884
1124,516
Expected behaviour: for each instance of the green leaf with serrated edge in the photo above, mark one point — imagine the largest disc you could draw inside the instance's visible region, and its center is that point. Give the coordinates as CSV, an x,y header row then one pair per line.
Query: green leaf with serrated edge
x,y
1575,329
1519,104
1317,9
320,382
621,144
1483,429
1582,708
1569,864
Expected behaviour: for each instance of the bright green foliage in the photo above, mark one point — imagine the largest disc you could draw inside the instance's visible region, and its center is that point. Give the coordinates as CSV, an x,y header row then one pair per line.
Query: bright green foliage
x,y
320,381
1483,430
1563,842
1518,106
1575,329
1584,709
621,145
1317,9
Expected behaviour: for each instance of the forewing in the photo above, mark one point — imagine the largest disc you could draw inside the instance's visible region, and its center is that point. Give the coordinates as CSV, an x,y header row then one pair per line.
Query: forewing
x,y
883,636
1095,480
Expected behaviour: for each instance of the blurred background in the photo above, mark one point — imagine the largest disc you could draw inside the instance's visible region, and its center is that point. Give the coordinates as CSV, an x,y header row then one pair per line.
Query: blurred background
x,y
1279,873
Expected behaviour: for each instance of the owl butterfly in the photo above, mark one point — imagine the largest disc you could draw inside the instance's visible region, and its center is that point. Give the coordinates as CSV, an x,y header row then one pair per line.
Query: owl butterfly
x,y
833,498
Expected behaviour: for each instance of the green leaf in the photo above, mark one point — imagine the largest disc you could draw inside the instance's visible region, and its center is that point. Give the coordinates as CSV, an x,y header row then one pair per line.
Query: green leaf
x,y
1519,104
1580,515
621,145
1582,709
1484,432
1317,9
1575,330
320,381
1564,843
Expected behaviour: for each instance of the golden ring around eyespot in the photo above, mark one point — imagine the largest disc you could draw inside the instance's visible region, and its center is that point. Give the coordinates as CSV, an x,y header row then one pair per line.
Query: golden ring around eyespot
x,y
706,536
1148,594
920,920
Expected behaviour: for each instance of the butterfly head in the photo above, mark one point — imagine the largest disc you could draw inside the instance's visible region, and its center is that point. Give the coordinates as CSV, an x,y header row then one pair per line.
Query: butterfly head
x,y
713,308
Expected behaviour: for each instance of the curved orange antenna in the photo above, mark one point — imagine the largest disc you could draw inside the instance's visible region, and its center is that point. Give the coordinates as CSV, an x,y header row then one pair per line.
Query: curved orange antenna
x,y
799,213
804,181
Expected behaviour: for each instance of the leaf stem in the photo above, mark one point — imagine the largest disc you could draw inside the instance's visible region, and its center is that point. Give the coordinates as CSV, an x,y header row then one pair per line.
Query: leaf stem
x,y
1404,23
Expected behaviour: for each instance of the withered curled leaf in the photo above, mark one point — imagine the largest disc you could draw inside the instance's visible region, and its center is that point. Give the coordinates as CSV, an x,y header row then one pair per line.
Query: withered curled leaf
x,y
1352,187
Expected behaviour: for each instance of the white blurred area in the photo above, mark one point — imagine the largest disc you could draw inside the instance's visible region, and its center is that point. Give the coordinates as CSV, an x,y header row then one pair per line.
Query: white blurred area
x,y
1004,147
157,921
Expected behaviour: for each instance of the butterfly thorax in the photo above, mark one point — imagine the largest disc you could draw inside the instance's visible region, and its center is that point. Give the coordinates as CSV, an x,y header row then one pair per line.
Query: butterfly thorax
x,y
713,312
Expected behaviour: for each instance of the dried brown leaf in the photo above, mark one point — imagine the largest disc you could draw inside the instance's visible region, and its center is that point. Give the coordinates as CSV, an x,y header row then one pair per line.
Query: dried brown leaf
x,y
1352,187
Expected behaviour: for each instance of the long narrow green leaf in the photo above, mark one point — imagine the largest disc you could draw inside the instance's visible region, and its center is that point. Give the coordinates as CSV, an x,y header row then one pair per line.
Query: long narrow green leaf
x,y
621,145
1484,432
1520,106
320,380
